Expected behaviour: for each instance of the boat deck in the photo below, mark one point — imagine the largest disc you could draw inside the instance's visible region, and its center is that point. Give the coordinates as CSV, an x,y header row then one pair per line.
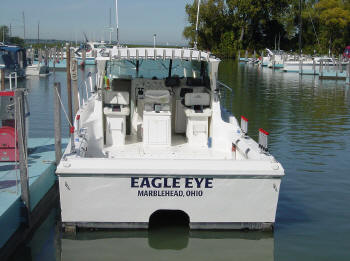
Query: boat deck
x,y
179,149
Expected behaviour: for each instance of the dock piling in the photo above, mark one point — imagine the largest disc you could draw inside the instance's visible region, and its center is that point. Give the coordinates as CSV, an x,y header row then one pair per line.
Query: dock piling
x,y
74,77
69,86
83,57
57,123
2,85
22,149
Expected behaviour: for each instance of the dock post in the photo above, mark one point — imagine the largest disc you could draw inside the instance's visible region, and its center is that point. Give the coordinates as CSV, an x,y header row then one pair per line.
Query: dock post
x,y
57,124
321,69
348,73
83,57
69,86
46,57
314,66
22,149
74,77
2,86
39,56
246,55
239,55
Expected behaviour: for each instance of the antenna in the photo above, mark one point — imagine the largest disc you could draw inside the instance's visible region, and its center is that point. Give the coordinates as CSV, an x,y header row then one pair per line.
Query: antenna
x,y
117,20
24,27
86,39
38,31
110,25
196,41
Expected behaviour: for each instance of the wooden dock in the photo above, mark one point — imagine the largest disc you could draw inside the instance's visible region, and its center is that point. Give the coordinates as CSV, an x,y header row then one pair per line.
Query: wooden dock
x,y
14,224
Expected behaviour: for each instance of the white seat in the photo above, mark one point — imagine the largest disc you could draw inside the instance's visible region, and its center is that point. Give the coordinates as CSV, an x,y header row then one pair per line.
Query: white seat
x,y
197,99
116,110
197,118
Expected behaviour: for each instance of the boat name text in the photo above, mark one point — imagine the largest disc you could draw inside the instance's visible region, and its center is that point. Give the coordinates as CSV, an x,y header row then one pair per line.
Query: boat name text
x,y
158,182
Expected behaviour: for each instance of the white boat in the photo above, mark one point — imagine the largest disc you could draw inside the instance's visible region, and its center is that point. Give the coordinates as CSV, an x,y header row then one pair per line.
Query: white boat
x,y
310,64
93,49
39,69
152,139
273,59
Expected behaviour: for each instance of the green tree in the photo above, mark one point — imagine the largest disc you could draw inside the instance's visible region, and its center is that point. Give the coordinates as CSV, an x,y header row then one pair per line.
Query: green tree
x,y
4,33
334,19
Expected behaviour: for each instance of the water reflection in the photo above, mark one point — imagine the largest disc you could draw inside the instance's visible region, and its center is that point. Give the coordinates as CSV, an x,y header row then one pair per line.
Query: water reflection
x,y
168,243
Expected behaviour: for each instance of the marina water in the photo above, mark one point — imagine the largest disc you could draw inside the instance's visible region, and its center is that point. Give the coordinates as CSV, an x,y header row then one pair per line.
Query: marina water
x,y
309,124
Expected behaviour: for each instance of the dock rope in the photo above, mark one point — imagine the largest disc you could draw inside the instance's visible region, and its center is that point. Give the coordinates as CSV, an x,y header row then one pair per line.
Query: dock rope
x,y
62,106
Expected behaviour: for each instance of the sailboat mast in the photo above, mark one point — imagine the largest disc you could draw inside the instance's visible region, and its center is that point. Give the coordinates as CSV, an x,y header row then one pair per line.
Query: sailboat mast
x,y
196,41
110,25
38,32
117,20
300,26
24,27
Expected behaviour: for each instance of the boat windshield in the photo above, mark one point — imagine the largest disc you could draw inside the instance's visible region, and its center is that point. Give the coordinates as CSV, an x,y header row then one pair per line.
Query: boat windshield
x,y
158,69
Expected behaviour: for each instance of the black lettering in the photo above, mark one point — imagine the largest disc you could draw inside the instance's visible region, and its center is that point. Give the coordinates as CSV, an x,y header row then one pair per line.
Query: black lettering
x,y
199,181
158,184
176,182
209,183
145,183
166,185
188,183
134,181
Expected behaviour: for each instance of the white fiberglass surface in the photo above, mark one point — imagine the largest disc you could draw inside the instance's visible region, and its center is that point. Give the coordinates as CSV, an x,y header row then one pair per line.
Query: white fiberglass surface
x,y
179,149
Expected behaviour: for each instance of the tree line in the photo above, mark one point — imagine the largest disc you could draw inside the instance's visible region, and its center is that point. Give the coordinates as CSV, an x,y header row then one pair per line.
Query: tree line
x,y
226,26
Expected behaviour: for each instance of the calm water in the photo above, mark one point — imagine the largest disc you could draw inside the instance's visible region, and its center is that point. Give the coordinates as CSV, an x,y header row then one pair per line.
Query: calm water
x,y
309,127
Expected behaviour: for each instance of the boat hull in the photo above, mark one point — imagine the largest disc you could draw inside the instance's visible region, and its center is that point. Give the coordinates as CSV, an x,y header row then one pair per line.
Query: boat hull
x,y
128,201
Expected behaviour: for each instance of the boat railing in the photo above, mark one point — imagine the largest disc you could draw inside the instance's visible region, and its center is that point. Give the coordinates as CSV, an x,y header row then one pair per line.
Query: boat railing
x,y
226,99
86,89
13,75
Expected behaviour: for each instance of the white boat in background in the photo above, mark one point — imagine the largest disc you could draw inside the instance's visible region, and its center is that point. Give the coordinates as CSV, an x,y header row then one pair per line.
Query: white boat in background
x,y
39,69
311,64
151,138
92,50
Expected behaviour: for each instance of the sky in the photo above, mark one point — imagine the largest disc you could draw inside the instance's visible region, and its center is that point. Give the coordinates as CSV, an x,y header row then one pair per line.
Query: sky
x,y
139,20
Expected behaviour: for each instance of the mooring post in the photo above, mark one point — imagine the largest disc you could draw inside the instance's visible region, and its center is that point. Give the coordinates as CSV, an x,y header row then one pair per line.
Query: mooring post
x,y
2,86
46,57
22,149
69,87
321,68
74,76
314,66
83,57
32,53
57,124
39,56
348,73
341,63
54,58
246,55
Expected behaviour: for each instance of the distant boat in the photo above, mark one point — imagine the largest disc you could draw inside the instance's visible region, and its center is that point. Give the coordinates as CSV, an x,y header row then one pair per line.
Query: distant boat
x,y
308,63
38,69
13,59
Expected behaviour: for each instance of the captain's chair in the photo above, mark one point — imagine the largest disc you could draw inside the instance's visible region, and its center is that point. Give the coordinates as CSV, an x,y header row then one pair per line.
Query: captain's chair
x,y
197,112
116,108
